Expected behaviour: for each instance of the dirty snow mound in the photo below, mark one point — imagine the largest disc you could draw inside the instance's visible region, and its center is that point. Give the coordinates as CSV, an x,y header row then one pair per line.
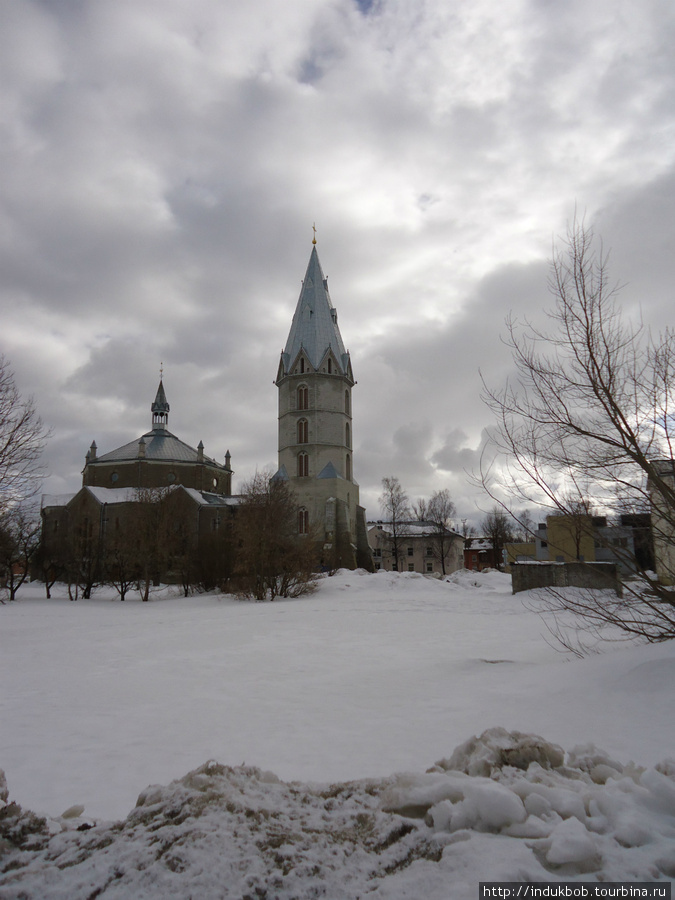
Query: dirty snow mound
x,y
503,807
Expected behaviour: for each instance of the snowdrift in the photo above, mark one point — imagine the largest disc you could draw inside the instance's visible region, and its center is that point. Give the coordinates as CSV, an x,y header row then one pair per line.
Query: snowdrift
x,y
504,806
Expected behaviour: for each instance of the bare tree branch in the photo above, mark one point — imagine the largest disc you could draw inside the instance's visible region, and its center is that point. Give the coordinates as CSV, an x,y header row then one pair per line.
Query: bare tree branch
x,y
589,414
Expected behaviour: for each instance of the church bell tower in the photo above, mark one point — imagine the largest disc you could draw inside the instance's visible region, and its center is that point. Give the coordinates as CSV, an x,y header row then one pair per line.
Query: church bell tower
x,y
315,382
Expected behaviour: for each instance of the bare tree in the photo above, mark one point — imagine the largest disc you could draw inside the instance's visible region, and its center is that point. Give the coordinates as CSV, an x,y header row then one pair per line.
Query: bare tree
x,y
468,530
496,527
22,439
272,558
437,513
149,532
396,511
591,410
19,541
523,526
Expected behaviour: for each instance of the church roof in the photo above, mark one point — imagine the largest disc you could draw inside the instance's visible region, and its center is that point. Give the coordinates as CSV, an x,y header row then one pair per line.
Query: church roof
x,y
314,328
160,445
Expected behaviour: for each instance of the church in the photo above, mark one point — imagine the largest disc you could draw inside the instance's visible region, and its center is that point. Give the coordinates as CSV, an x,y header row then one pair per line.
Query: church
x,y
315,441
315,382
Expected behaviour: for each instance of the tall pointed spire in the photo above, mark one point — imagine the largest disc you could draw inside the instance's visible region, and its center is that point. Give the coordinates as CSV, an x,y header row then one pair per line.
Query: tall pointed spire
x,y
160,408
314,328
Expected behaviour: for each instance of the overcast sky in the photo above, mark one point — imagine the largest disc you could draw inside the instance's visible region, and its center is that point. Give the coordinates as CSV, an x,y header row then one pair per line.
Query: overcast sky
x,y
163,162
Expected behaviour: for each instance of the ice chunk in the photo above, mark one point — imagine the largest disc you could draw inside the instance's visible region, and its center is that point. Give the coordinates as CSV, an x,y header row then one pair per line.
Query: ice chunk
x,y
571,843
496,748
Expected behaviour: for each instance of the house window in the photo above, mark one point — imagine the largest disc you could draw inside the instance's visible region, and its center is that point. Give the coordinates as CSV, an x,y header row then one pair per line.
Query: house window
x,y
348,467
430,567
430,551
303,521
411,567
303,465
303,431
303,397
377,567
377,552
410,551
347,402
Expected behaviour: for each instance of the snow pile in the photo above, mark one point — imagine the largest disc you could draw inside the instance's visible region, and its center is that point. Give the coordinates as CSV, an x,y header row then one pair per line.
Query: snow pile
x,y
503,807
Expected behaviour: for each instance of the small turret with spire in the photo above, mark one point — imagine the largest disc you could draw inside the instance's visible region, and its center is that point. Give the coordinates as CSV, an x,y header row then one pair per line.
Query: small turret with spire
x,y
160,407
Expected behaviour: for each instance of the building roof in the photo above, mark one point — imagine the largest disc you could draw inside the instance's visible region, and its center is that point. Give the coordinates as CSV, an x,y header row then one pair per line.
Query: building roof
x,y
49,500
412,528
160,445
110,496
329,471
314,328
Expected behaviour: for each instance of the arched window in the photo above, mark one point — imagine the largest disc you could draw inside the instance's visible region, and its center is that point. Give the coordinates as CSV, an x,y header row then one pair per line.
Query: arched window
x,y
347,402
303,397
303,431
303,465
347,435
348,467
303,521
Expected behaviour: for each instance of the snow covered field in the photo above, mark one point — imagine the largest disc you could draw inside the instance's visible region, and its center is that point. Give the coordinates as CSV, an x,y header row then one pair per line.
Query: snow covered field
x,y
372,675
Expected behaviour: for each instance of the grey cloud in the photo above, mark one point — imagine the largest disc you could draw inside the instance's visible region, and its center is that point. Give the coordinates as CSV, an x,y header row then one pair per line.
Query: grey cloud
x,y
163,164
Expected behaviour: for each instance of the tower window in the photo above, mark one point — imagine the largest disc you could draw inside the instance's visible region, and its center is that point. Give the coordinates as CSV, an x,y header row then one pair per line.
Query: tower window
x,y
347,435
303,431
348,467
303,397
302,365
347,402
303,465
303,521
330,366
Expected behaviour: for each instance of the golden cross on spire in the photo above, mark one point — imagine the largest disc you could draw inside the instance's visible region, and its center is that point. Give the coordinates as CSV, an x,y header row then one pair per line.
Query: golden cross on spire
x,y
314,230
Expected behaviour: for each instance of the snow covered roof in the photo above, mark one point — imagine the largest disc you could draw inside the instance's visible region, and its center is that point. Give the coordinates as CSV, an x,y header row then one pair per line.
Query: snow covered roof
x,y
410,529
205,498
112,495
55,500
480,544
314,328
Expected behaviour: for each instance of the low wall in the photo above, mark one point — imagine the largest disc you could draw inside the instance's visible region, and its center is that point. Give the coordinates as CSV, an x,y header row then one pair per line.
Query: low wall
x,y
601,576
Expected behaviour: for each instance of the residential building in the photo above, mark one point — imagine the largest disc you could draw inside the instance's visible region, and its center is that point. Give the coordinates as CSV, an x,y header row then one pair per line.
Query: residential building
x,y
423,548
663,523
586,538
479,554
